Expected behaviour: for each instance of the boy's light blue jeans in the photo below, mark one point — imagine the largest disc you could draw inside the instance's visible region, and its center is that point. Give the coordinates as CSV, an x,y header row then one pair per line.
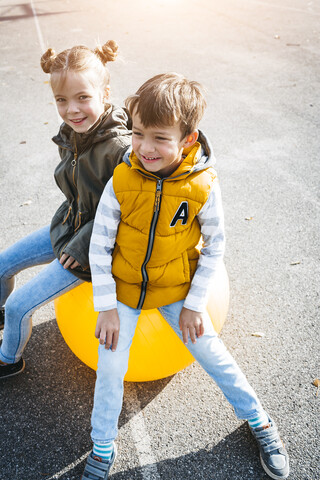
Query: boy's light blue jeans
x,y
51,282
208,350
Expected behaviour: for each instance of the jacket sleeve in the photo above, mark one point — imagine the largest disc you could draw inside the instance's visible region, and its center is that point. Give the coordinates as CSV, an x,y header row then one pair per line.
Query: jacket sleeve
x,y
101,247
78,247
211,256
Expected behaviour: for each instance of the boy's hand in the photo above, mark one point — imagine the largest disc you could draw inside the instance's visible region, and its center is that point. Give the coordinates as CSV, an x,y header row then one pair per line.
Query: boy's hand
x,y
191,322
107,329
68,261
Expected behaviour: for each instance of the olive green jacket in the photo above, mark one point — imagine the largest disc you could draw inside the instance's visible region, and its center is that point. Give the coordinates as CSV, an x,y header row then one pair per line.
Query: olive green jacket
x,y
87,163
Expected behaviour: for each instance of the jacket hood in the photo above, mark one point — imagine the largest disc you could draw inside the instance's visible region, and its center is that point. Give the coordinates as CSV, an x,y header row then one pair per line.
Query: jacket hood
x,y
115,121
201,151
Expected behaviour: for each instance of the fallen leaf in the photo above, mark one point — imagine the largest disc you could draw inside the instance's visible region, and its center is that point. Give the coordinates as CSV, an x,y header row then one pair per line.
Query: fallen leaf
x,y
293,44
23,141
45,81
248,218
257,334
27,202
45,123
316,383
295,263
277,37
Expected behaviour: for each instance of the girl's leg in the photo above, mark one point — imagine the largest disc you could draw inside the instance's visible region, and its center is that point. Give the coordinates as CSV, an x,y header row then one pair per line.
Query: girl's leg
x,y
213,356
34,249
112,367
50,283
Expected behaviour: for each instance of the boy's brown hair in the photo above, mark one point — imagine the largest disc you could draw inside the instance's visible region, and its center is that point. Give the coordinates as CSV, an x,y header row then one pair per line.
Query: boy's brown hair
x,y
167,99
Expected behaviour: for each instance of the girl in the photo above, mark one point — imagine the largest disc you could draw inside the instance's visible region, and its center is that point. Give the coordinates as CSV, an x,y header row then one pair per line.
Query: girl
x,y
92,140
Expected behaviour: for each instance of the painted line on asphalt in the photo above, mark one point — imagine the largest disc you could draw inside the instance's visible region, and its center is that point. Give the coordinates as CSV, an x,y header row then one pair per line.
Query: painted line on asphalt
x,y
42,46
36,21
69,467
137,425
140,435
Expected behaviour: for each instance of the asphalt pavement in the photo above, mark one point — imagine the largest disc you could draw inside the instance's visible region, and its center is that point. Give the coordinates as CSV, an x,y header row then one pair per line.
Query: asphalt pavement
x,y
259,61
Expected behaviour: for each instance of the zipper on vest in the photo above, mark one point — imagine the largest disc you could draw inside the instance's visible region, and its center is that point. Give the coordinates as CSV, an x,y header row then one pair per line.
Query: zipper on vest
x,y
156,210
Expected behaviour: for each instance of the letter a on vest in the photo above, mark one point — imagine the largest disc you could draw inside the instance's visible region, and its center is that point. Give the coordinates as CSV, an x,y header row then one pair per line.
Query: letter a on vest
x,y
181,214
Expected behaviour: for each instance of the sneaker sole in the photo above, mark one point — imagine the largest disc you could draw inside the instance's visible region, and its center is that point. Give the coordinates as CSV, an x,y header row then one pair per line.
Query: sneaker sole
x,y
272,475
15,373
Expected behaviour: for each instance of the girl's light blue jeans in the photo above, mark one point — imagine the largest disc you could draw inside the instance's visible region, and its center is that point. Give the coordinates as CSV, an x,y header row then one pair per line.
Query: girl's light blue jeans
x,y
52,281
208,350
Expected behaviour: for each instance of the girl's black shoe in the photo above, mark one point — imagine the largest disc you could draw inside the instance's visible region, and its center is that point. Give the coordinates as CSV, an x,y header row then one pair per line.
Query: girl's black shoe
x,y
11,369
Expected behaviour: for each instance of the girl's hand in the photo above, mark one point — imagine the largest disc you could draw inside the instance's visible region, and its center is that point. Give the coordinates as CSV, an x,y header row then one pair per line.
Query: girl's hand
x,y
191,322
107,329
68,261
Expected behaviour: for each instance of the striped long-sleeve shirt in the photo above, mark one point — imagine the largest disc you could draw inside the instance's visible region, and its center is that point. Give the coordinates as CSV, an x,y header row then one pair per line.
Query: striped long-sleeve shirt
x,y
103,241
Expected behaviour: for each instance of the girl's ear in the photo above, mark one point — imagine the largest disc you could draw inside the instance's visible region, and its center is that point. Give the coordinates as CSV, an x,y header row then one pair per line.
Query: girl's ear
x,y
191,139
106,93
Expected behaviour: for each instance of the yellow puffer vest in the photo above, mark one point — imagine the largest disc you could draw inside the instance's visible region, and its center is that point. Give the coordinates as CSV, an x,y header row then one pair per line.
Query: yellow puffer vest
x,y
155,255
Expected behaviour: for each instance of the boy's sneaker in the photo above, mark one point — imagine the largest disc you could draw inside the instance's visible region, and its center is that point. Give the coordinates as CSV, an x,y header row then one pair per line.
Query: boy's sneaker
x,y
1,318
273,455
11,369
97,468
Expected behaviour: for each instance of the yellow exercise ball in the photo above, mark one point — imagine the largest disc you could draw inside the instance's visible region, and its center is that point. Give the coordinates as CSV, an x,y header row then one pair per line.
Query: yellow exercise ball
x,y
156,351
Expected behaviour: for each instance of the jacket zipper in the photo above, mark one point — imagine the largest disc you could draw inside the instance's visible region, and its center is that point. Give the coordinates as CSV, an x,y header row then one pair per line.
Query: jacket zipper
x,y
156,210
74,165
74,161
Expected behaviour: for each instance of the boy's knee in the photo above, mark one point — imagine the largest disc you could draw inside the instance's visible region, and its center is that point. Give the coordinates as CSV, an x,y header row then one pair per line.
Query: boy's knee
x,y
112,364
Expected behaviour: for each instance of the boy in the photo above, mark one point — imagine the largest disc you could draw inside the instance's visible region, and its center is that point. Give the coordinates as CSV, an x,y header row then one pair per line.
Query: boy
x,y
143,255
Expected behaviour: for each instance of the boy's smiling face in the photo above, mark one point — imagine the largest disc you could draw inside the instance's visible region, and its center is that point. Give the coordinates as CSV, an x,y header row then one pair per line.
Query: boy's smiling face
x,y
159,149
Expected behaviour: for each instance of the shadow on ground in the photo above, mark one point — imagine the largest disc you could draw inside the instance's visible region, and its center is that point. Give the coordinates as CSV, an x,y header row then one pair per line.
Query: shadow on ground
x,y
45,423
25,11
235,457
45,412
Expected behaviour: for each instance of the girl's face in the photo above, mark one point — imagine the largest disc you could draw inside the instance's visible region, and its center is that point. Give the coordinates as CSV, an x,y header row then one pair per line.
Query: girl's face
x,y
79,102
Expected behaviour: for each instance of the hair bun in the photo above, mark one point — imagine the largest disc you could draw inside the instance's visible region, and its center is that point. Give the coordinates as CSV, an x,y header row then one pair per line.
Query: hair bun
x,y
108,52
47,60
